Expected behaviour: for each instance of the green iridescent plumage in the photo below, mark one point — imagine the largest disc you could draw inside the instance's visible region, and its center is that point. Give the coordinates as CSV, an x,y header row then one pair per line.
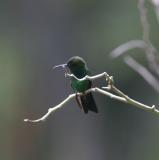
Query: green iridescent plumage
x,y
78,67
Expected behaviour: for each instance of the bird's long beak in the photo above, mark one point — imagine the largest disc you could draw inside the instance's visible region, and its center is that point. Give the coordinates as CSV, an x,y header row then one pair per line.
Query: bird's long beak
x,y
60,65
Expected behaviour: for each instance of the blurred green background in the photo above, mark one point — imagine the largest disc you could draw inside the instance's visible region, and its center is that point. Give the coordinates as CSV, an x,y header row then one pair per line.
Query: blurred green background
x,y
37,34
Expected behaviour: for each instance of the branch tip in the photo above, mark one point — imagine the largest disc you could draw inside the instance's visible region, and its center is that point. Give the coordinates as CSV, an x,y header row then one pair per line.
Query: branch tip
x,y
25,120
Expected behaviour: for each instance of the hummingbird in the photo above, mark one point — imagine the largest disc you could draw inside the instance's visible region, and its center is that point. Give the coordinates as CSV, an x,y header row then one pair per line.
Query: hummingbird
x,y
78,67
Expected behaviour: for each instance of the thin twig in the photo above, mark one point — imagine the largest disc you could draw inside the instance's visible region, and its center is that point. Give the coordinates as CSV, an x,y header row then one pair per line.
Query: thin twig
x,y
110,95
104,74
134,102
151,54
143,72
122,97
71,96
51,110
127,46
156,7
146,45
144,21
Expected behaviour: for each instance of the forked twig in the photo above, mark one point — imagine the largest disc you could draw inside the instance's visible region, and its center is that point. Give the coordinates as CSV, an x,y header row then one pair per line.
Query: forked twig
x,y
51,110
144,44
127,46
119,96
148,76
151,53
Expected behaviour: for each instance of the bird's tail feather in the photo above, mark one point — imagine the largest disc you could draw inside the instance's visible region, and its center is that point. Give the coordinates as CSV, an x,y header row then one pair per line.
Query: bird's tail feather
x,y
88,103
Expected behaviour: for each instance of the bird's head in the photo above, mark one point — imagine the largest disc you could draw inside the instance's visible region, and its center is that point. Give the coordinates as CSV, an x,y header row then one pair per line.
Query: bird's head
x,y
74,64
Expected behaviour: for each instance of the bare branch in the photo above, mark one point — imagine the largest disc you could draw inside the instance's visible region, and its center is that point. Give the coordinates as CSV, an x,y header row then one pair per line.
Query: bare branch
x,y
156,7
127,46
135,103
144,21
119,97
71,96
104,74
151,54
145,44
51,110
112,96
142,71
122,97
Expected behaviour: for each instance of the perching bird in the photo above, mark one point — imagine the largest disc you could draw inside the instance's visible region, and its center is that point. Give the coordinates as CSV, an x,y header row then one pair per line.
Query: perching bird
x,y
77,66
